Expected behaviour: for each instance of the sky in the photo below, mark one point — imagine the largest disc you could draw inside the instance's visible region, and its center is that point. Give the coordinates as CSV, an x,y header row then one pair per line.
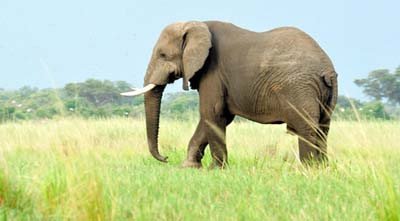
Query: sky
x,y
48,43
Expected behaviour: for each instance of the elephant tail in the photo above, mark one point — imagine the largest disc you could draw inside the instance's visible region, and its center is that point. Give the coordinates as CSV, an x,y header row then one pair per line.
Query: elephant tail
x,y
330,79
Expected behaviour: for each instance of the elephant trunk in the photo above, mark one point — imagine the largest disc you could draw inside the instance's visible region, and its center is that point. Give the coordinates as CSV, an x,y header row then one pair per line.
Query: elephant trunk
x,y
152,102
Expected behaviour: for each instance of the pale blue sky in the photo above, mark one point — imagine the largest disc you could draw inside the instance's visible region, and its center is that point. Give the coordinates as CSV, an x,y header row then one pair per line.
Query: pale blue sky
x,y
49,43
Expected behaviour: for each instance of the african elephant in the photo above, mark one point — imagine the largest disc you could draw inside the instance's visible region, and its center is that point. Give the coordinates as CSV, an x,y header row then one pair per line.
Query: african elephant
x,y
273,77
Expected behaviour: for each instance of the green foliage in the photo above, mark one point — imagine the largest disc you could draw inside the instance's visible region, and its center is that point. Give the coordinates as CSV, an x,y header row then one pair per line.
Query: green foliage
x,y
353,109
181,104
374,110
6,113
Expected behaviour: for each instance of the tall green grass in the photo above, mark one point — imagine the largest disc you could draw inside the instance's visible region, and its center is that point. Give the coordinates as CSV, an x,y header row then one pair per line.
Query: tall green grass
x,y
74,169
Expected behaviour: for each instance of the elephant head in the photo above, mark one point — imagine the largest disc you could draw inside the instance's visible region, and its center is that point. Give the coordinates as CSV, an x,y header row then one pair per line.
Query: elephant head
x,y
180,51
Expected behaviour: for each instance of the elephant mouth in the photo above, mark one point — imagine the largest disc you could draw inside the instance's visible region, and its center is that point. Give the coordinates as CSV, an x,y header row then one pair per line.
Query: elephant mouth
x,y
172,77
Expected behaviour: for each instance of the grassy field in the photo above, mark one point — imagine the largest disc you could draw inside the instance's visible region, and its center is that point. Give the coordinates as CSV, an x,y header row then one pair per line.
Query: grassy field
x,y
73,169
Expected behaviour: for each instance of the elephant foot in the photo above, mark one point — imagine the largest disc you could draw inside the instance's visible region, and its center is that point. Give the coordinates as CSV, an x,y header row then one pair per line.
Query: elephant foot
x,y
320,161
215,165
191,164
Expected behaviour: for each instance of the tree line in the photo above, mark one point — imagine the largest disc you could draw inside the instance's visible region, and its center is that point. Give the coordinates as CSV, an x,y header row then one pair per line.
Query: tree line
x,y
100,99
90,99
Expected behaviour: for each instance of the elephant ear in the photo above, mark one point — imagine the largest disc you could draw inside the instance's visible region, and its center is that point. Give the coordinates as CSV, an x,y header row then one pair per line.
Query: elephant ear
x,y
196,47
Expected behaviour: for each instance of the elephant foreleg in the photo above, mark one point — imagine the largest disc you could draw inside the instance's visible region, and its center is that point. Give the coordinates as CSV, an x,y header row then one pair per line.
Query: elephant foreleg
x,y
216,136
196,147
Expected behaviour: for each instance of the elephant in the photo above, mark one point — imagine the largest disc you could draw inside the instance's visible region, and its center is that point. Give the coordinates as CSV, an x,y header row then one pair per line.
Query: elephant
x,y
272,77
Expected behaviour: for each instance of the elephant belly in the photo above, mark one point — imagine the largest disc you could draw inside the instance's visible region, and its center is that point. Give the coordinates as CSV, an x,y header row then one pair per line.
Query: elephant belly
x,y
262,118
269,116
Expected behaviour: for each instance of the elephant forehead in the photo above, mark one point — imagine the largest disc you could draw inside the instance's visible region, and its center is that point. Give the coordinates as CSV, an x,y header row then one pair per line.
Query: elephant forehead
x,y
173,29
169,39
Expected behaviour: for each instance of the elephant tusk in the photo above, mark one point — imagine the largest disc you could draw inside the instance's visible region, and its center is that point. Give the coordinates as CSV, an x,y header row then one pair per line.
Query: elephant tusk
x,y
138,91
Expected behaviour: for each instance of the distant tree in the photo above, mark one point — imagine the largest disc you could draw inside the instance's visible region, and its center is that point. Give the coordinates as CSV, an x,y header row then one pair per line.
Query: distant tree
x,y
26,91
381,84
40,99
122,86
98,92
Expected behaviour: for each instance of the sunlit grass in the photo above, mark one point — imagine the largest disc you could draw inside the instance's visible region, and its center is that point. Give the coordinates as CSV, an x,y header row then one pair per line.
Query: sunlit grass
x,y
74,169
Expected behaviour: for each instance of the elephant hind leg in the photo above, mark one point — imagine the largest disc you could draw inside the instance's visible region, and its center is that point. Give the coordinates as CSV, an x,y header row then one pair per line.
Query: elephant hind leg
x,y
312,143
324,124
308,149
311,138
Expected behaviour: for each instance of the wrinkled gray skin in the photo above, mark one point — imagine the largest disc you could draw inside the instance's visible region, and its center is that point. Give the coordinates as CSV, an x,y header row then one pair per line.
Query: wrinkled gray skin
x,y
273,77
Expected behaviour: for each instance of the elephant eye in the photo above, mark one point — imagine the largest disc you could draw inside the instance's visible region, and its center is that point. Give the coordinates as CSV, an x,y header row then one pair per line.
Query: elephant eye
x,y
163,55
